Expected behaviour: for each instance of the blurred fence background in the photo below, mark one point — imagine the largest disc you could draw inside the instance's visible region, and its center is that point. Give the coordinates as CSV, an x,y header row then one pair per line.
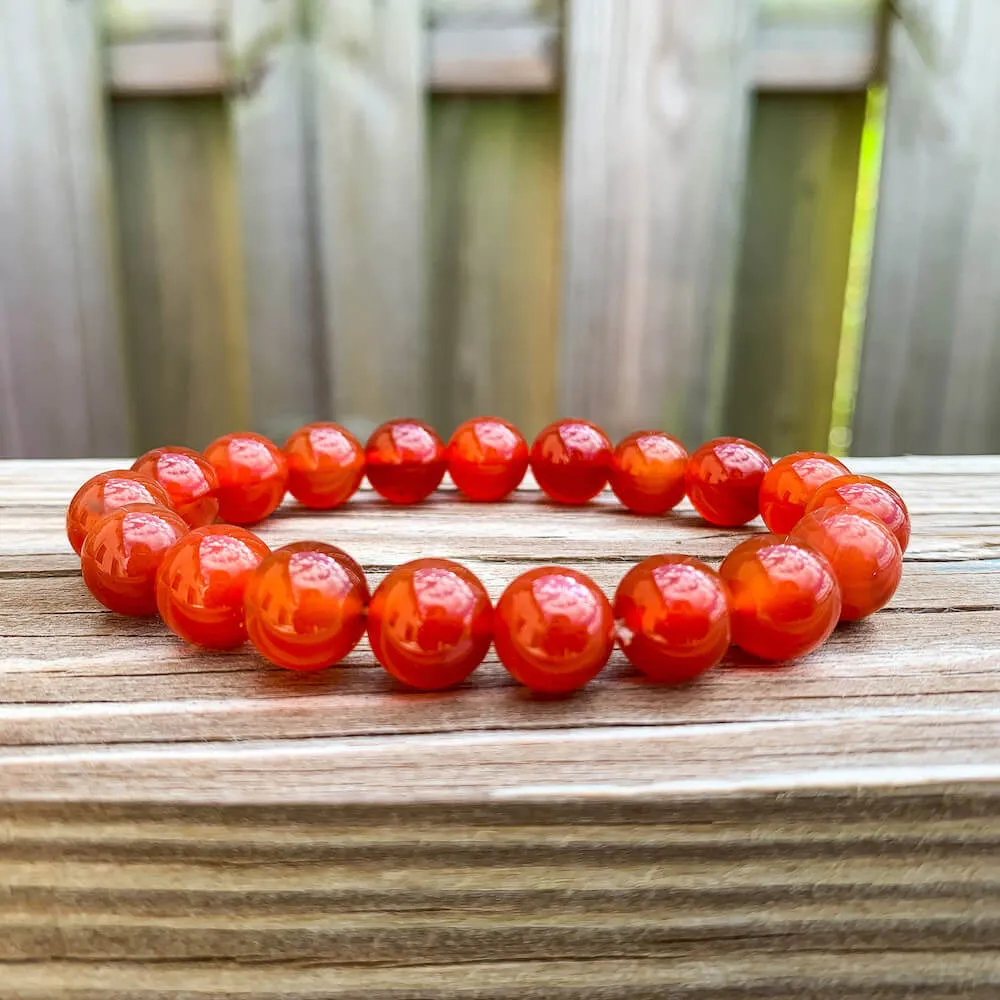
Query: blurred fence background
x,y
217,214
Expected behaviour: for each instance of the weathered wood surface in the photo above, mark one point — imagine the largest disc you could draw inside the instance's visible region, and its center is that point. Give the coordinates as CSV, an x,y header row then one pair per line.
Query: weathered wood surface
x,y
174,824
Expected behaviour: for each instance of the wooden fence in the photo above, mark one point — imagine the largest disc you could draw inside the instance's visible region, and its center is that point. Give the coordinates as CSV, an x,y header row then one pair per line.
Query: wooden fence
x,y
258,212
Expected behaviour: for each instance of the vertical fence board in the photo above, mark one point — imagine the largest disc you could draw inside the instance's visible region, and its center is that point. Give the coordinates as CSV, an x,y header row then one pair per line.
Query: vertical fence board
x,y
802,179
369,107
494,232
180,247
284,322
61,369
658,104
931,357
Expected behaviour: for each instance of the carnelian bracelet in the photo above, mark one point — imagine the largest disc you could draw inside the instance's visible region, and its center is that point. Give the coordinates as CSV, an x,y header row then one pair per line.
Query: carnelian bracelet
x,y
149,542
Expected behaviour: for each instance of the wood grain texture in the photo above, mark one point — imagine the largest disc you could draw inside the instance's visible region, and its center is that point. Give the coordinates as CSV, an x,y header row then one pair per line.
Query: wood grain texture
x,y
62,390
931,355
656,120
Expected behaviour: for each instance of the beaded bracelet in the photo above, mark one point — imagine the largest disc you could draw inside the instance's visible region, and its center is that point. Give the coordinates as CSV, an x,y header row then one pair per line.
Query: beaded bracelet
x,y
149,542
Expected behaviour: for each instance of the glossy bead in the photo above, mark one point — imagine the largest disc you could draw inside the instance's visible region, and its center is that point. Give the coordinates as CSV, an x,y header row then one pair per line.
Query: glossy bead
x,y
487,458
188,478
430,623
252,475
571,460
722,480
201,582
325,465
783,597
106,492
647,472
305,605
553,629
672,617
123,551
864,554
405,460
790,484
868,494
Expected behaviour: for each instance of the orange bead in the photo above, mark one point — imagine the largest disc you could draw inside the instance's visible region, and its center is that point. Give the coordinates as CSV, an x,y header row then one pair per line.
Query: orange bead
x,y
325,465
790,484
571,460
487,458
553,629
647,472
784,599
252,475
305,605
672,617
405,460
430,623
868,494
723,478
106,492
201,582
188,478
864,554
123,551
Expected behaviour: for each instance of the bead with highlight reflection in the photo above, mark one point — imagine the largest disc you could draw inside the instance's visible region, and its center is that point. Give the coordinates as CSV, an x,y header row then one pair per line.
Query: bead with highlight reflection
x,y
188,478
405,460
647,472
723,478
325,465
571,460
487,458
790,484
868,494
252,475
104,493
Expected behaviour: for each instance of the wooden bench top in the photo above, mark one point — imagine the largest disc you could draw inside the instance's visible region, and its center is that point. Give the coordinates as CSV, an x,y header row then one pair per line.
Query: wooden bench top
x,y
173,821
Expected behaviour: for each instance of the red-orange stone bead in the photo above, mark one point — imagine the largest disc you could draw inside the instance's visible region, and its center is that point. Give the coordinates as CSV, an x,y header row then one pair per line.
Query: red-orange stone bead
x,y
790,484
553,629
188,478
487,458
672,617
868,494
252,475
104,493
647,472
784,599
201,583
864,554
430,622
305,605
571,460
723,478
405,460
122,553
325,465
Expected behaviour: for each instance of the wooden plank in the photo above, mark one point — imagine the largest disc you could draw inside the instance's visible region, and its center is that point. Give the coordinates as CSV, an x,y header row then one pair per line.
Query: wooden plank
x,y
802,179
181,254
657,113
369,147
274,176
494,243
931,355
62,388
155,69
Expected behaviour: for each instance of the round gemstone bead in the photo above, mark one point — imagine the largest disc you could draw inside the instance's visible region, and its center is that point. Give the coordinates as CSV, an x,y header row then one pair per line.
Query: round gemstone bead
x,y
868,494
553,629
790,484
201,583
122,553
405,460
188,478
487,458
325,465
672,617
252,475
430,623
571,460
647,472
305,605
106,492
784,599
723,478
864,554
